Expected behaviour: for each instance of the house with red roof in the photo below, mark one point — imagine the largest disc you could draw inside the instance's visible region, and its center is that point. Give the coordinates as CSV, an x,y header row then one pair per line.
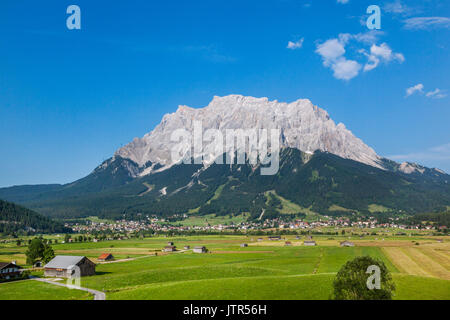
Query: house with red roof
x,y
105,257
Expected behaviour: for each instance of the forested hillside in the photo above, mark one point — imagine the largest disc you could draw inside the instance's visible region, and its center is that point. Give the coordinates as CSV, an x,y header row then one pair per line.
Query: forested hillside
x,y
320,183
17,219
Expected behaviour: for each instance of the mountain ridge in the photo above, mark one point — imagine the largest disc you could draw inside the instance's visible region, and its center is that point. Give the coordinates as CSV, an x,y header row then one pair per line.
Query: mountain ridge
x,y
303,126
318,181
335,170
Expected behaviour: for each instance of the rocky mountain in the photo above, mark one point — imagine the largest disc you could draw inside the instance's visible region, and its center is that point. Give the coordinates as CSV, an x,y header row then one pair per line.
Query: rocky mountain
x,y
323,169
303,126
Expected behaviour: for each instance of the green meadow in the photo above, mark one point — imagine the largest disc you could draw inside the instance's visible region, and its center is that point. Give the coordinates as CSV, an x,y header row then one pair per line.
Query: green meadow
x,y
263,270
35,290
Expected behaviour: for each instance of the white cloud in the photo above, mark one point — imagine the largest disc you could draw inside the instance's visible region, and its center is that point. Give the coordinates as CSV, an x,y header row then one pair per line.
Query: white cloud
x,y
345,69
333,52
372,62
397,7
417,88
342,1
399,57
330,50
381,53
437,94
295,45
426,23
368,37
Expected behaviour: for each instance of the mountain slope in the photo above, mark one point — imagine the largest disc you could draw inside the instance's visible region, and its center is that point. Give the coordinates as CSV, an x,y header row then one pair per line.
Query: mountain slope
x,y
323,168
15,218
321,182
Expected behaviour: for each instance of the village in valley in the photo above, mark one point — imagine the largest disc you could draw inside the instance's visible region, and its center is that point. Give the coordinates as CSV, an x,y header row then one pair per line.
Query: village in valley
x,y
233,152
129,258
123,229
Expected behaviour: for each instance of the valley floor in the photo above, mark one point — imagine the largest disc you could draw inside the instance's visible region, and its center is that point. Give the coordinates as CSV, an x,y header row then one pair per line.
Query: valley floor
x,y
263,270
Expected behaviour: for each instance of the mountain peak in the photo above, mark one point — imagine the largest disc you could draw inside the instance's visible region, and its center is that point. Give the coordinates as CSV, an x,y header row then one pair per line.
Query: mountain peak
x,y
410,167
182,108
304,126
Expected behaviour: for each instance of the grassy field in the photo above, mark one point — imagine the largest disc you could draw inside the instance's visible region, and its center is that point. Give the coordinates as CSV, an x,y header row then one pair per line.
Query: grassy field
x,y
288,207
263,270
35,290
377,208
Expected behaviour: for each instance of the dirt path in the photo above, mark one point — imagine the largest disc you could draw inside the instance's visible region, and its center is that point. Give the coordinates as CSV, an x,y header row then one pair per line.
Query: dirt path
x,y
149,188
98,295
125,260
262,213
316,268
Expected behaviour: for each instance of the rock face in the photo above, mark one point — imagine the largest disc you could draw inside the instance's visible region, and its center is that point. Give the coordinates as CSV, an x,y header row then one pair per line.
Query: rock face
x,y
322,165
409,168
303,126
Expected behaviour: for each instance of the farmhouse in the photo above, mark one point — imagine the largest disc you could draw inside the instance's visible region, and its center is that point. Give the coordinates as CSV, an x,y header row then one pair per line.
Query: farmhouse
x,y
275,238
170,243
287,243
309,243
260,239
243,245
170,249
200,249
9,270
106,257
64,266
187,247
347,244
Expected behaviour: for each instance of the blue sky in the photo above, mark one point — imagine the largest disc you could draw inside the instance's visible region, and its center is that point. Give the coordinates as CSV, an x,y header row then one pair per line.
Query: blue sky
x,y
70,98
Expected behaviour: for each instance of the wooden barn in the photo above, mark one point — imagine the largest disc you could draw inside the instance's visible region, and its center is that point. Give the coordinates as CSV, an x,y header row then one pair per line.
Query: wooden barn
x,y
106,257
64,266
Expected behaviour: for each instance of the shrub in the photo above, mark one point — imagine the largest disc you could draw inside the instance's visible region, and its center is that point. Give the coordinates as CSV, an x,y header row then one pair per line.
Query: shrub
x,y
351,281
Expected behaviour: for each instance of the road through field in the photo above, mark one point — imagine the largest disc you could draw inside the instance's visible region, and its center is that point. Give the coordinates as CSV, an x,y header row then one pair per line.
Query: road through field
x,y
125,260
98,295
